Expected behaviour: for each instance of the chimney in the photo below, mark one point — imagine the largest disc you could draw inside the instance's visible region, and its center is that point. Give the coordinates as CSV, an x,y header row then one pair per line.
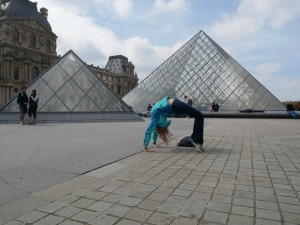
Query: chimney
x,y
44,12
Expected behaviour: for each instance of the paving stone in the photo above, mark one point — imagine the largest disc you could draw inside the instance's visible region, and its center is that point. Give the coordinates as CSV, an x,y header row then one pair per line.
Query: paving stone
x,y
291,217
118,210
123,191
240,220
289,208
164,190
68,199
104,219
184,221
204,189
176,200
49,220
108,188
243,202
158,218
265,197
147,187
68,211
50,208
85,216
215,217
83,203
267,222
242,210
70,222
130,201
183,193
149,204
267,205
32,217
139,194
128,222
268,214
100,206
221,198
223,191
170,184
288,200
16,223
140,215
157,197
96,195
169,208
221,207
113,198
244,194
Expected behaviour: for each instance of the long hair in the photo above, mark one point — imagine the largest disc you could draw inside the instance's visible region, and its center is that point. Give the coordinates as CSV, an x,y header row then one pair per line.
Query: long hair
x,y
164,134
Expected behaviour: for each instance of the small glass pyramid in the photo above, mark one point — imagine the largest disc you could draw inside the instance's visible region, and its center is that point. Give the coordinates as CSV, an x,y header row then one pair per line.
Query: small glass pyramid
x,y
70,86
205,73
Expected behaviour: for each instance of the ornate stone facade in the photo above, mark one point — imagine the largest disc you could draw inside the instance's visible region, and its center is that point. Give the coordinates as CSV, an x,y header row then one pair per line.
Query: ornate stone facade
x,y
27,46
122,80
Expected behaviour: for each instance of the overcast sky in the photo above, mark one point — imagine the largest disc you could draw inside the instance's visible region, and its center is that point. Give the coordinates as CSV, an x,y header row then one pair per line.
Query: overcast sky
x,y
262,35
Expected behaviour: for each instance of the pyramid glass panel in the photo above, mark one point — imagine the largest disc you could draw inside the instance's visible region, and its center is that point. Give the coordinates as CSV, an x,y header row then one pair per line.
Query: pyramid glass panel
x,y
204,72
70,86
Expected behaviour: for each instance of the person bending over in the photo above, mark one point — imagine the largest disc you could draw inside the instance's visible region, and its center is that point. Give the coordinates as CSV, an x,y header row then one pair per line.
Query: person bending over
x,y
159,124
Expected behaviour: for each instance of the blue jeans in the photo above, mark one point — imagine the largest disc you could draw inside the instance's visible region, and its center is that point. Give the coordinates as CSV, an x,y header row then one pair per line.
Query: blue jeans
x,y
292,114
180,107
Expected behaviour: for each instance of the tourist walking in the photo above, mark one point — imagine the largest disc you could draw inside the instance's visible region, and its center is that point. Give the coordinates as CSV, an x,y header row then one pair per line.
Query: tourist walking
x,y
159,124
33,105
22,100
290,109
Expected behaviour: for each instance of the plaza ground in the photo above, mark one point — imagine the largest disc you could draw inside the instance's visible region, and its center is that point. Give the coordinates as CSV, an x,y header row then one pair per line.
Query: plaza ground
x,y
97,173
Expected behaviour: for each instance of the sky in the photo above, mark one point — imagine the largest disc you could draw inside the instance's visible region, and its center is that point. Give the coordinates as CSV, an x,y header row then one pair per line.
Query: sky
x,y
262,35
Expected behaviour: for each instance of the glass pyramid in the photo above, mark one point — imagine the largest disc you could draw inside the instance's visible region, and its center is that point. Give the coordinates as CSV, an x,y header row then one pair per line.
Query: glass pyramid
x,y
205,73
70,86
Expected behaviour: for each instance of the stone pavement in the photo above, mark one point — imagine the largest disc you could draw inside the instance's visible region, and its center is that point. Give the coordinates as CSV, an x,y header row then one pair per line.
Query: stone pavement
x,y
249,174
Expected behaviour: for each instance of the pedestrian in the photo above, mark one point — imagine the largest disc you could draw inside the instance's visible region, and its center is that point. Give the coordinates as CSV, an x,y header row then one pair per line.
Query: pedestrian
x,y
290,109
149,107
22,100
33,105
213,107
159,124
217,107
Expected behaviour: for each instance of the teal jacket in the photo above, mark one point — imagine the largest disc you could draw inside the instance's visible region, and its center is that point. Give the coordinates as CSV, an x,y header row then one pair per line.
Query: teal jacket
x,y
159,113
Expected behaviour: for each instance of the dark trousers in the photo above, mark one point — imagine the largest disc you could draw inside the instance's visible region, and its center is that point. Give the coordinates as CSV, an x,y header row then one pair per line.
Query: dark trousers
x,y
180,107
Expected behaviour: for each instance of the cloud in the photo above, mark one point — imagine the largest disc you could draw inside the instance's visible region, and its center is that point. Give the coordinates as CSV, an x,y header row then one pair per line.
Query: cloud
x,y
170,7
123,7
267,69
252,16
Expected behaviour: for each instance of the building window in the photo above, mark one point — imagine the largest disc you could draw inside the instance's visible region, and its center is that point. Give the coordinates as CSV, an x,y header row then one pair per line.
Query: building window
x,y
119,89
34,73
16,53
32,41
15,36
48,45
16,73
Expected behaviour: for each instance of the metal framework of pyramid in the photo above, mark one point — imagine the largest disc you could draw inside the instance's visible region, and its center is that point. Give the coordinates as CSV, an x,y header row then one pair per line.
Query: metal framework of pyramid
x,y
205,73
69,86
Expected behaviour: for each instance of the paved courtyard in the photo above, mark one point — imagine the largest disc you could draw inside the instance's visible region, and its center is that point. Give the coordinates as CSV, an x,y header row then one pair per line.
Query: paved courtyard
x,y
249,174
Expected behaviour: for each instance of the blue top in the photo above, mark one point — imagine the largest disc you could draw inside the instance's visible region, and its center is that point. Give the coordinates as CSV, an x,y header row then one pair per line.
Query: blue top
x,y
159,113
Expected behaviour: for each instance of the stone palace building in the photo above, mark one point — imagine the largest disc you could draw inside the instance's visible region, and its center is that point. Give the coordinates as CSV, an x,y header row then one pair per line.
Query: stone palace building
x,y
28,48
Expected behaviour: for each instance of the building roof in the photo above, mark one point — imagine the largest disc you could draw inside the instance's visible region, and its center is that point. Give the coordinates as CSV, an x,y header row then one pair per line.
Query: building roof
x,y
21,9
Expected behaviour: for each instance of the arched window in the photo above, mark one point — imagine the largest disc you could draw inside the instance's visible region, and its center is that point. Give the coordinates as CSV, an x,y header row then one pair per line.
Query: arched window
x,y
32,41
16,73
15,36
48,45
34,73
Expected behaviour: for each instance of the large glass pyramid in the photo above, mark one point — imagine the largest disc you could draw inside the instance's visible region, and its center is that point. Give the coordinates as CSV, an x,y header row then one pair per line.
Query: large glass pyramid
x,y
70,86
204,72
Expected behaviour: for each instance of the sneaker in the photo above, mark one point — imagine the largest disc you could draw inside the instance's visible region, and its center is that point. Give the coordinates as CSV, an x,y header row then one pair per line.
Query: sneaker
x,y
199,147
